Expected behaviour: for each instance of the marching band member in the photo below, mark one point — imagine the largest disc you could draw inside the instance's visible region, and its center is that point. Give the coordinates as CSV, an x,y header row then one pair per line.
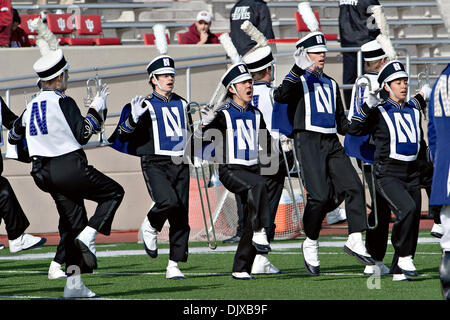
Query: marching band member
x,y
11,212
260,64
154,128
315,101
394,125
55,131
237,128
438,138
362,148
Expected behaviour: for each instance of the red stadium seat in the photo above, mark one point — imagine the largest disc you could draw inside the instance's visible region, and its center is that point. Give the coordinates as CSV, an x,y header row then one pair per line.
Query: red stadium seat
x,y
301,25
91,25
287,40
149,38
26,23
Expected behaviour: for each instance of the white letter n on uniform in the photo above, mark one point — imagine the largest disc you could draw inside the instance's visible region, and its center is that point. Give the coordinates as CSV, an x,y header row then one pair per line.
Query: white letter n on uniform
x,y
245,134
410,129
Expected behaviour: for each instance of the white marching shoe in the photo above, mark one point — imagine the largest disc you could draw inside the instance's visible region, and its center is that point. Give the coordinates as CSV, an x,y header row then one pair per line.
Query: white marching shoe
x,y
262,265
437,230
55,271
24,242
379,268
310,250
75,288
242,276
407,266
336,216
85,241
400,277
355,246
150,236
173,272
259,240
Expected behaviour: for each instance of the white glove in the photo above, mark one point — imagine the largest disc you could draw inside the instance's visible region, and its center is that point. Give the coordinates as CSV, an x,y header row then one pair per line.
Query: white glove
x,y
302,60
208,116
373,100
426,92
137,109
99,102
286,143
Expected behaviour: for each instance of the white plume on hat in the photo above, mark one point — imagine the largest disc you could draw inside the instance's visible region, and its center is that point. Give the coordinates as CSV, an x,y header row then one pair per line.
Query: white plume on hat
x,y
304,8
383,37
46,40
254,34
444,9
159,30
229,47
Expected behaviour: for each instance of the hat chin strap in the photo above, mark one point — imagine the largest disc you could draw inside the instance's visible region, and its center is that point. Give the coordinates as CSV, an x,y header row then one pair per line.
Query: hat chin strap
x,y
157,82
392,92
234,88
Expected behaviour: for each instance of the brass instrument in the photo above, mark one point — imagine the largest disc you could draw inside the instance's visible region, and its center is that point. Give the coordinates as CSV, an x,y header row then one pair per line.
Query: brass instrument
x,y
192,108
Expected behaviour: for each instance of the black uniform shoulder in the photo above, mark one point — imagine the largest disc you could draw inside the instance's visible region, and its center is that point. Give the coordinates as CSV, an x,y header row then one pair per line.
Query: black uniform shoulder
x,y
223,107
178,97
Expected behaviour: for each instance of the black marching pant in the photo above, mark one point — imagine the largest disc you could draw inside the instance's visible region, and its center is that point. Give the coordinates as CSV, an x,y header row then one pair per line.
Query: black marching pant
x,y
247,182
168,186
69,180
398,182
377,239
327,171
11,212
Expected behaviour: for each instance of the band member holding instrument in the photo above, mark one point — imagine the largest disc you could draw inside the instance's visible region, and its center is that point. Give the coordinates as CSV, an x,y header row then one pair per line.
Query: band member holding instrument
x,y
394,125
154,128
55,131
236,128
362,148
314,100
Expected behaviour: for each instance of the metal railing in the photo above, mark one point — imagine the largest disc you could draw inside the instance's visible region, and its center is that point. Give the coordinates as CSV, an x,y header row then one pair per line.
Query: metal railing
x,y
92,6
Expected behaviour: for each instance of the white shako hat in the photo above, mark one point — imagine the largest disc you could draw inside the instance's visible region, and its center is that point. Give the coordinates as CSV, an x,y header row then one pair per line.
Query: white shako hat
x,y
163,64
259,59
372,51
51,65
238,72
313,42
391,71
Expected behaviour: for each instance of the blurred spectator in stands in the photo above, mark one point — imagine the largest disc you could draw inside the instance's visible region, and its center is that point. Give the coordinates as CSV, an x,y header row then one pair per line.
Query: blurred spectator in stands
x,y
199,32
6,18
354,32
258,13
19,37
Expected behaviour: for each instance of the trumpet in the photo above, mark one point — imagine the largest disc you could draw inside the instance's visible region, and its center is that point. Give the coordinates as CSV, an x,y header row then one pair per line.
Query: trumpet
x,y
93,85
192,108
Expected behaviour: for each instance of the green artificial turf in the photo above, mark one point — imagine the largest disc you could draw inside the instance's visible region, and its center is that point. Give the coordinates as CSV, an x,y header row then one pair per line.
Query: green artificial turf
x,y
209,276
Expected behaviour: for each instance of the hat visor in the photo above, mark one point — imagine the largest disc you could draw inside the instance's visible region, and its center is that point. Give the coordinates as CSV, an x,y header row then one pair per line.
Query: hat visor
x,y
241,78
167,70
395,76
317,49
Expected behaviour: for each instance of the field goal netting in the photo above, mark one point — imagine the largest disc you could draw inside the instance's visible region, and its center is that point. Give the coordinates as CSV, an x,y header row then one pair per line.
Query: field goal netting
x,y
224,210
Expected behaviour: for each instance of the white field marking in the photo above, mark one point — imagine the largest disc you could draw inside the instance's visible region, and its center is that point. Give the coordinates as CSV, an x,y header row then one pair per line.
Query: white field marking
x,y
198,250
219,273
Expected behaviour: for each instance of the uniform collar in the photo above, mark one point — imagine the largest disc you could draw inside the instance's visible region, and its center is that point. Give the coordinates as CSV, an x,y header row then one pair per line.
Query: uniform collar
x,y
317,74
161,97
396,104
375,73
238,107
57,91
